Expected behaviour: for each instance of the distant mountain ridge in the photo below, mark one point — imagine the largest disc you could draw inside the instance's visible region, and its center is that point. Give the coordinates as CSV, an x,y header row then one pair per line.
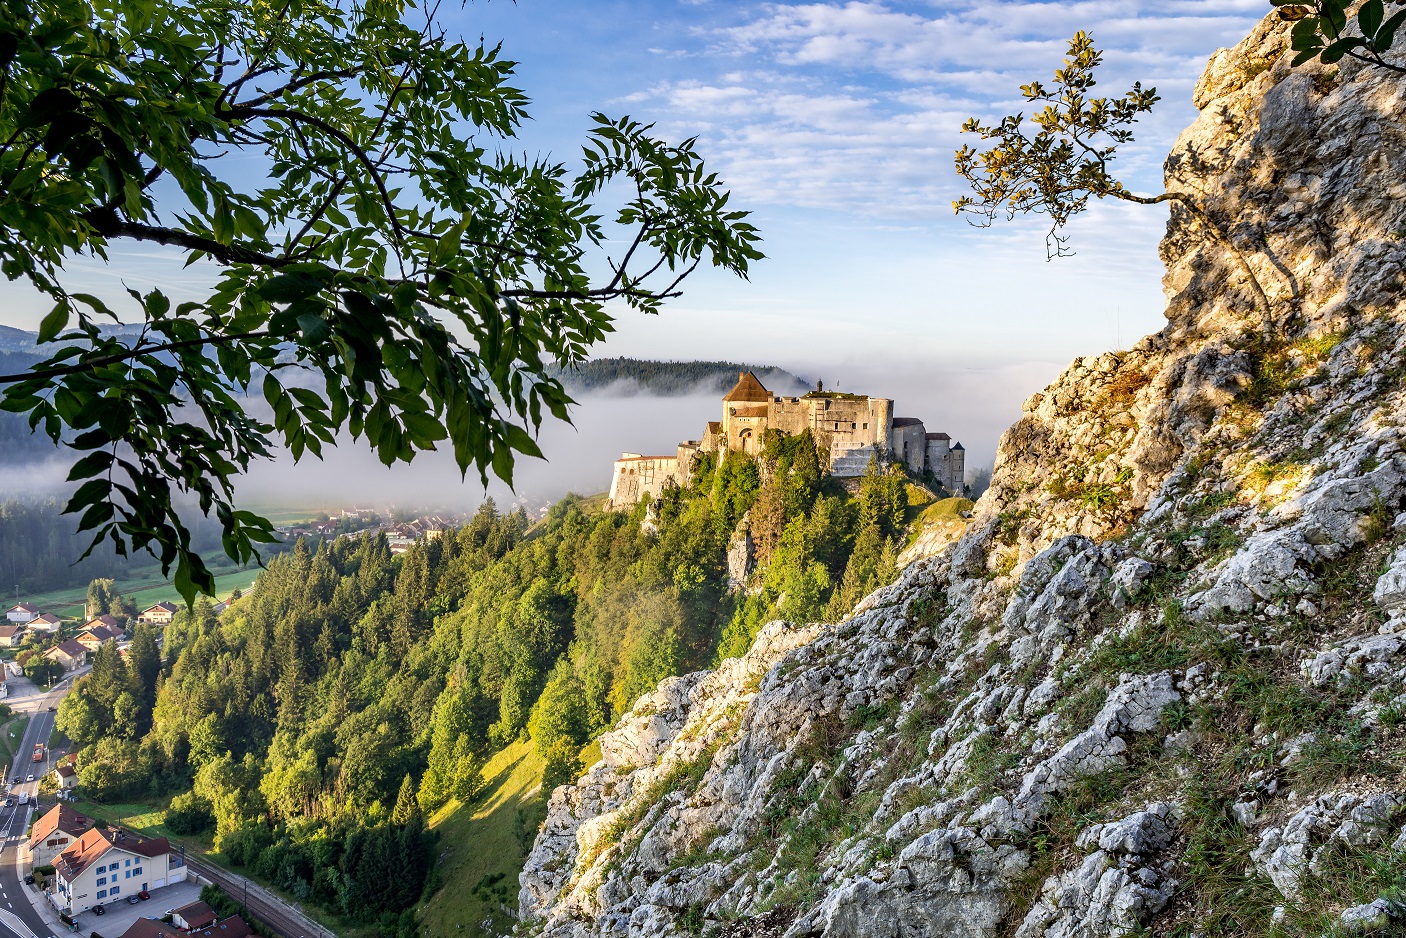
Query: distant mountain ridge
x,y
674,378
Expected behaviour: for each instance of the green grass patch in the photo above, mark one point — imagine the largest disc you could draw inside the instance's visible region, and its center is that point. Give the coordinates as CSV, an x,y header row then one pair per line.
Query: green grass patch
x,y
146,586
147,818
11,735
483,845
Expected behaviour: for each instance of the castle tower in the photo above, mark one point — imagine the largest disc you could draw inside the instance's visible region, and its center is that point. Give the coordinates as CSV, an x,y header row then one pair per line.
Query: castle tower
x,y
746,415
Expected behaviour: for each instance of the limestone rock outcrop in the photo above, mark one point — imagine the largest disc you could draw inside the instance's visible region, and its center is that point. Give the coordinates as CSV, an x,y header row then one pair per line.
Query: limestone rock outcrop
x,y
1167,654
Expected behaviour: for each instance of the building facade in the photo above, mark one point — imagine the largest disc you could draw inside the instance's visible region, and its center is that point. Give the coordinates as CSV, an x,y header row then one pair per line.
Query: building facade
x,y
852,428
107,864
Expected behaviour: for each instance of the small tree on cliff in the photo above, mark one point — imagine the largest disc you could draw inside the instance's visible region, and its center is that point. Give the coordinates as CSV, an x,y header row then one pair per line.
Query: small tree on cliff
x,y
1055,166
1054,162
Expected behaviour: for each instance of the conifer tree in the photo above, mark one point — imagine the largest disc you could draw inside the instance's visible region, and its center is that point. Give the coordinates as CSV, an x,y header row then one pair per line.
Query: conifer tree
x,y
407,809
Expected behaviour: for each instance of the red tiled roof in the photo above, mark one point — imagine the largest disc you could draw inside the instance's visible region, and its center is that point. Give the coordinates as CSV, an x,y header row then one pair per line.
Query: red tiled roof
x,y
754,411
10,631
58,818
98,841
22,607
747,390
45,618
109,621
66,771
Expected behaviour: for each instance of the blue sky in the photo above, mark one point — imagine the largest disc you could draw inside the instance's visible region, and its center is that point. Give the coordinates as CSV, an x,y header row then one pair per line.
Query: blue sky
x,y
835,123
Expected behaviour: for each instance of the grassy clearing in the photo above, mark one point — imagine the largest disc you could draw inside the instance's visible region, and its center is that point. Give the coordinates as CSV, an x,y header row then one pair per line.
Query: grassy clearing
x,y
142,817
482,846
145,585
11,734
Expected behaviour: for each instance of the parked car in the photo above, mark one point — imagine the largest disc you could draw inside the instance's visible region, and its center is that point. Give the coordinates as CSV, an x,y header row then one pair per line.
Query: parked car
x,y
29,879
53,709
99,910
143,895
132,900
29,778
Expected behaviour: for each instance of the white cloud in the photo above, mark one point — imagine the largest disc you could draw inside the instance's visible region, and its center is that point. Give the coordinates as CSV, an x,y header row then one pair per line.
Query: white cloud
x,y
855,106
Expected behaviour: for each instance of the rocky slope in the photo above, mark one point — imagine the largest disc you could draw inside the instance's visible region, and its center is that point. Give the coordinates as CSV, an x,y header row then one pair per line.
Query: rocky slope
x,y
1158,684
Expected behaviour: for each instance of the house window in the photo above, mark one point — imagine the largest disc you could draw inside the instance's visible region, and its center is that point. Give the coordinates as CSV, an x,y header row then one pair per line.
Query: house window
x,y
114,890
126,874
137,871
866,426
851,426
53,843
102,893
127,863
102,880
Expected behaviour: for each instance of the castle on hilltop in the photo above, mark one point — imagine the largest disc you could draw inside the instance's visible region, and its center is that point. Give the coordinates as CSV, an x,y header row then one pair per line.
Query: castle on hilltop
x,y
852,426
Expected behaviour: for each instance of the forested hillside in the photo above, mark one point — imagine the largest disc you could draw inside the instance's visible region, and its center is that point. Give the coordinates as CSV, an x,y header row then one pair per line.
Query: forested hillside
x,y
673,379
314,725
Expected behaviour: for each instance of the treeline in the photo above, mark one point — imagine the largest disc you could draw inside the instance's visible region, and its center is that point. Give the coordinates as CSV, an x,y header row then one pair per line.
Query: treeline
x,y
673,379
39,543
314,725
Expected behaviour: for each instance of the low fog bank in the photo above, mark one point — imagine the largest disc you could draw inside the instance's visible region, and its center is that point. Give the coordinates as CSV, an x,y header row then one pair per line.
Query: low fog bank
x,y
579,460
37,478
972,401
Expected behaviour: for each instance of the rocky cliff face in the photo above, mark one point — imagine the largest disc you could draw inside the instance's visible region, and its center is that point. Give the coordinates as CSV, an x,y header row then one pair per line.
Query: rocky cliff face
x,y
1159,683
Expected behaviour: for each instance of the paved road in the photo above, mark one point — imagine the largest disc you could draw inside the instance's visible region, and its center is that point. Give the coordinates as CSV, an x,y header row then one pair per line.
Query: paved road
x,y
18,917
14,820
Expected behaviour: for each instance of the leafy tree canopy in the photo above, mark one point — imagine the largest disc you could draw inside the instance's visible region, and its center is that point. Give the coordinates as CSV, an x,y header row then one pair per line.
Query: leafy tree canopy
x,y
385,266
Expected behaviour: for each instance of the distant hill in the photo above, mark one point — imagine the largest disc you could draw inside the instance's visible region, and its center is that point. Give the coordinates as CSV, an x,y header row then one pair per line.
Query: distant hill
x,y
674,379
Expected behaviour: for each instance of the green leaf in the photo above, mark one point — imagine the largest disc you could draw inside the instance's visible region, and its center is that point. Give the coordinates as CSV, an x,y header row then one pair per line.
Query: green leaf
x,y
315,328
52,324
1369,17
519,440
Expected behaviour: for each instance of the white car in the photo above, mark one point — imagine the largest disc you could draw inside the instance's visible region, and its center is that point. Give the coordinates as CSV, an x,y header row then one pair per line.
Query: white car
x,y
29,778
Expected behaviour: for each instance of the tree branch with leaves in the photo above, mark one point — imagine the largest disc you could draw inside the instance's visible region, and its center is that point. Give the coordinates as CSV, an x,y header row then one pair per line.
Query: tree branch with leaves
x,y
384,265
1054,162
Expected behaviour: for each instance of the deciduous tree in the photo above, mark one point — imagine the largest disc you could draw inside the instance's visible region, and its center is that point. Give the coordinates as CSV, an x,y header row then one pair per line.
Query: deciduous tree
x,y
385,266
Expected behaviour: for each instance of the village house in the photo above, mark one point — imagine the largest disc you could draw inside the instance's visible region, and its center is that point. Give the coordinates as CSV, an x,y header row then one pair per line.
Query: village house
x,y
96,637
108,622
107,864
21,613
11,635
44,622
195,915
160,614
70,653
53,833
65,776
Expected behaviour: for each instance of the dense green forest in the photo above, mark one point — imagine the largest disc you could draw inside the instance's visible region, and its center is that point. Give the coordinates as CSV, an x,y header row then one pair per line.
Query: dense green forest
x,y
672,379
314,725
